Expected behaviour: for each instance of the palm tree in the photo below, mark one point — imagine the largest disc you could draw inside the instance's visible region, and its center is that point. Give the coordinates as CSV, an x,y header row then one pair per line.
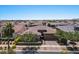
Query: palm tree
x,y
8,32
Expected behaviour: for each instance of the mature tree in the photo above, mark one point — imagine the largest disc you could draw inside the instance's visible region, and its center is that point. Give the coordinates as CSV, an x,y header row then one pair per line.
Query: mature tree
x,y
72,36
60,34
8,32
75,36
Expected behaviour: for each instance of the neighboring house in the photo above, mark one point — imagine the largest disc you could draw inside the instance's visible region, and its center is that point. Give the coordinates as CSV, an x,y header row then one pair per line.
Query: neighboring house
x,y
68,28
19,28
58,24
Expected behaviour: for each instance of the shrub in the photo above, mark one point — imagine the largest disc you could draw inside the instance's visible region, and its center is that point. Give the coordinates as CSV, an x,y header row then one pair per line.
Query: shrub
x,y
64,36
30,37
27,38
17,39
14,46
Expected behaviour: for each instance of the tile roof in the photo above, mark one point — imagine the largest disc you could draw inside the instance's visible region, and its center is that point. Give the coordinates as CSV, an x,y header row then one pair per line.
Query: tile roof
x,y
36,28
67,28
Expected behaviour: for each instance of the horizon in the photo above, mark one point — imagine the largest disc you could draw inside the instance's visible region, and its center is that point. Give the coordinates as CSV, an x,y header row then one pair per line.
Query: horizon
x,y
38,12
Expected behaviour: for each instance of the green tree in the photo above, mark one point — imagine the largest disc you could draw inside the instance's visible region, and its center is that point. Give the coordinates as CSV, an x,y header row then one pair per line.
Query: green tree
x,y
75,36
64,36
59,34
8,32
72,36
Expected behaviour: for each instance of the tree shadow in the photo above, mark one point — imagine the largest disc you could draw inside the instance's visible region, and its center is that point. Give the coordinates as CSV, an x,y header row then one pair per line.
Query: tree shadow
x,y
30,50
73,49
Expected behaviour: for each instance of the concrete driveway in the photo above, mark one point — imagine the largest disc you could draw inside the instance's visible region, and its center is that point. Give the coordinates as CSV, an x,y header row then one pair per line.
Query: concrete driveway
x,y
50,46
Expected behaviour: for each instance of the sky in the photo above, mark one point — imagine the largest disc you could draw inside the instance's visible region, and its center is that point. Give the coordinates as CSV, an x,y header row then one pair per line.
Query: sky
x,y
38,12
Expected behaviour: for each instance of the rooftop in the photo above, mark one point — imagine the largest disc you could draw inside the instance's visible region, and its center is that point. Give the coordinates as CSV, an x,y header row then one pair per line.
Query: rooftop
x,y
67,28
36,28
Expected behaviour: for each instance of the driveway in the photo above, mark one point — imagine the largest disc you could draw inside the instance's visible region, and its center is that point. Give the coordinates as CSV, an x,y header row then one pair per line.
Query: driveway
x,y
50,43
50,46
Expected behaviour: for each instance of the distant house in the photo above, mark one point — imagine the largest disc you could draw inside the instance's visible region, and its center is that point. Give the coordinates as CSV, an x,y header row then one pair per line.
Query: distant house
x,y
57,24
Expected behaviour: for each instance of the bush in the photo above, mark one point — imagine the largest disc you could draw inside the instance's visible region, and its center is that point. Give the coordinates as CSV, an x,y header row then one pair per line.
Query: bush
x,y
30,37
17,39
27,38
14,46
